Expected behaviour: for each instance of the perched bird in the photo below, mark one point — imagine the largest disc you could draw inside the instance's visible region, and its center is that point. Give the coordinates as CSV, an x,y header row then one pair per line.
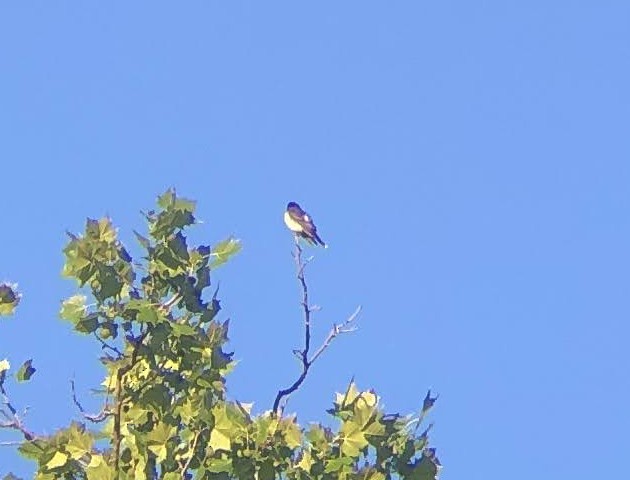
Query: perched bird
x,y
301,223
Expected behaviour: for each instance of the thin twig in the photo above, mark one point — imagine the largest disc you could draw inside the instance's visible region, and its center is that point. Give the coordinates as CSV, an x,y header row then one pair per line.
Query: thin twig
x,y
107,346
14,421
95,418
303,354
335,331
171,301
192,454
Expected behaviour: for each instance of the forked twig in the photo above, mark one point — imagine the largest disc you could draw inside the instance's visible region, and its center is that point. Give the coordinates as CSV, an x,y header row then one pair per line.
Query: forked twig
x,y
95,418
303,355
13,420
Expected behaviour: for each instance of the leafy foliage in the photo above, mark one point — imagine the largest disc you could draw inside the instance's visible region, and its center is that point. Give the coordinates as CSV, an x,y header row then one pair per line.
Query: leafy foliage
x,y
165,412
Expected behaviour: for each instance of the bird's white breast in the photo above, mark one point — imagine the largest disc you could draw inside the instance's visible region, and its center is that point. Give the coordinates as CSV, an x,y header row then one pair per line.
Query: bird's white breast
x,y
292,224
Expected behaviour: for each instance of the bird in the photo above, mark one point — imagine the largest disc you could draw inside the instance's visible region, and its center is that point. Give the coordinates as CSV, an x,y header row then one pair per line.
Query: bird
x,y
301,224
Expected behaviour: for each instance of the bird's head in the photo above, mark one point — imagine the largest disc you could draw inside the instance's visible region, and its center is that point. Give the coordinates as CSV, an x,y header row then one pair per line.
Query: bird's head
x,y
292,205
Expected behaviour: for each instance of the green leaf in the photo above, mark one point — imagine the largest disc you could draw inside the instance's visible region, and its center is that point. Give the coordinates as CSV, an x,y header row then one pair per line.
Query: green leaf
x,y
340,464
353,439
177,245
106,230
222,251
109,283
306,462
26,371
73,309
344,399
87,324
176,214
167,199
98,469
292,434
79,441
160,434
59,459
224,429
9,298
150,314
267,471
316,436
160,452
31,450
427,467
108,330
219,465
219,440
170,200
375,475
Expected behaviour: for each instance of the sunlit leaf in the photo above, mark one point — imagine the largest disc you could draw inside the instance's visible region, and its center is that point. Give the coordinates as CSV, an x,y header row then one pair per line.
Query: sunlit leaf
x,y
224,429
73,309
219,440
4,365
79,443
292,434
353,439
306,462
59,459
222,251
98,469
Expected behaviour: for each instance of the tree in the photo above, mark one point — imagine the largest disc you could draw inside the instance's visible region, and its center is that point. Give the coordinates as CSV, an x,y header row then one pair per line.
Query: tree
x,y
165,414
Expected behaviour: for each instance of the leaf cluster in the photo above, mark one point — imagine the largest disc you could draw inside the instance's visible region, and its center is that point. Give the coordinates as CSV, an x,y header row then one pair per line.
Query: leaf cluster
x,y
165,413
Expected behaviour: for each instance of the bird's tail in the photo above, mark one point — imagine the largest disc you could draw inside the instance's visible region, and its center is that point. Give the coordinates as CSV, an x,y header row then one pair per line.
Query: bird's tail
x,y
319,240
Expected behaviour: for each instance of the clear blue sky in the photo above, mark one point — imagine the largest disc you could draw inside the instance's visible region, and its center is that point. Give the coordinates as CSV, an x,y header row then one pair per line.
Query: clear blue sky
x,y
468,162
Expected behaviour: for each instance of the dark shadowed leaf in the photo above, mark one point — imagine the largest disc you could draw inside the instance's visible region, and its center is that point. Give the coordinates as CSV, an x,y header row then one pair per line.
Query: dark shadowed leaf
x,y
428,402
25,372
9,298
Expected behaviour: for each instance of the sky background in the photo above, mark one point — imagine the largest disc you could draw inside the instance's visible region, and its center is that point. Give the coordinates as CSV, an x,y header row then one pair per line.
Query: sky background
x,y
467,162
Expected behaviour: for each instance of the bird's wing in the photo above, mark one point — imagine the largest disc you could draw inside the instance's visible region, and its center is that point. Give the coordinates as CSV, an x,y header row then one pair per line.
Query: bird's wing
x,y
300,221
300,216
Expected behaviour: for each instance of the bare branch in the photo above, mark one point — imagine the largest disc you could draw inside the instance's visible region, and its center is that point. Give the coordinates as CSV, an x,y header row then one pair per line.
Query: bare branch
x,y
107,346
303,355
13,420
95,418
10,444
166,306
335,331
192,453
